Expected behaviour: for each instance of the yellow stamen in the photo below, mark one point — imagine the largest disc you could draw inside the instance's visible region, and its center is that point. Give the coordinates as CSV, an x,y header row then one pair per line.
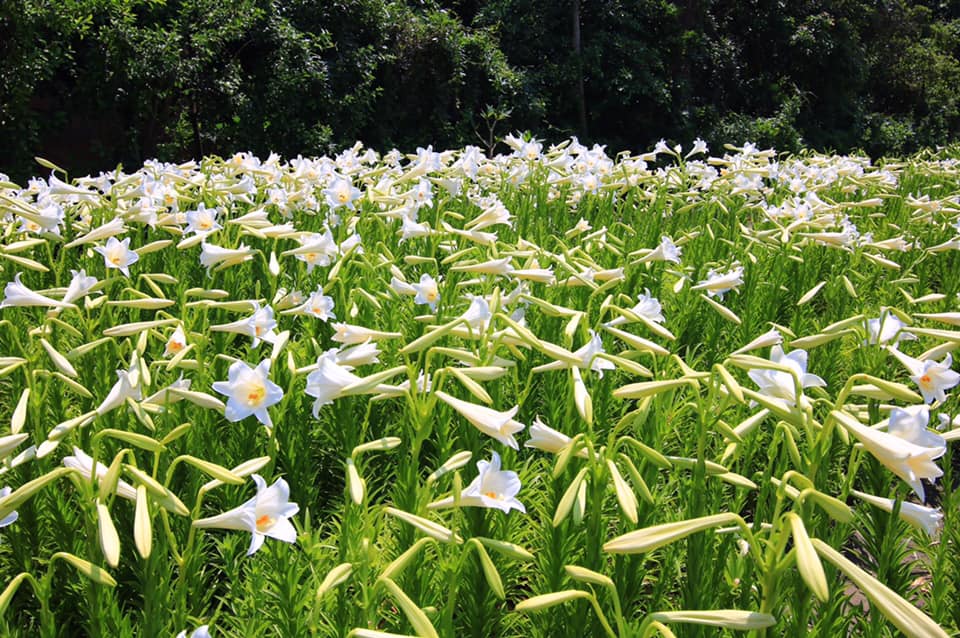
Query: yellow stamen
x,y
256,395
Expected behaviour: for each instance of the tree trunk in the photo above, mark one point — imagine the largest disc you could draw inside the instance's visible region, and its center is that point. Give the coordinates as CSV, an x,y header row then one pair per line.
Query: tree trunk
x,y
578,62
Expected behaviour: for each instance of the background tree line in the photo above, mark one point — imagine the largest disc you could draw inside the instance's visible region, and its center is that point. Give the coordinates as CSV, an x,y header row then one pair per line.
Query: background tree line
x,y
90,83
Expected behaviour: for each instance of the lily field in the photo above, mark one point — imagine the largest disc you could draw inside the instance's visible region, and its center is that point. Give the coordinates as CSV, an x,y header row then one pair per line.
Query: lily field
x,y
548,393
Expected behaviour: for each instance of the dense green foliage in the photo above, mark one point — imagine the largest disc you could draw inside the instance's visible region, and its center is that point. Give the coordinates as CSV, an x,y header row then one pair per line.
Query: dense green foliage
x,y
93,82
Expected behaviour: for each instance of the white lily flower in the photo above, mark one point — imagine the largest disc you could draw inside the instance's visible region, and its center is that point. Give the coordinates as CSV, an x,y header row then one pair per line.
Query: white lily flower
x,y
499,425
426,291
647,307
317,305
127,385
780,385
17,294
84,463
163,396
212,255
665,251
176,342
117,254
349,243
909,461
718,284
266,514
910,424
327,382
360,354
931,377
543,437
316,250
946,423
203,631
80,285
341,193
588,355
258,326
250,391
887,330
401,287
410,229
767,339
478,314
202,221
929,519
493,488
494,213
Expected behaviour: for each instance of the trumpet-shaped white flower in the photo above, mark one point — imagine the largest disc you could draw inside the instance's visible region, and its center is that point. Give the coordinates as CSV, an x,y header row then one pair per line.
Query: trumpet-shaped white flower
x,y
401,287
360,354
117,254
317,305
353,242
250,391
212,255
17,294
84,463
887,330
499,425
427,291
665,251
493,488
909,461
203,631
767,339
79,286
164,396
647,307
341,193
478,314
176,342
202,221
494,213
543,437
410,229
588,355
259,326
12,517
933,378
929,519
327,382
127,385
910,424
780,385
946,423
266,514
718,283
317,250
